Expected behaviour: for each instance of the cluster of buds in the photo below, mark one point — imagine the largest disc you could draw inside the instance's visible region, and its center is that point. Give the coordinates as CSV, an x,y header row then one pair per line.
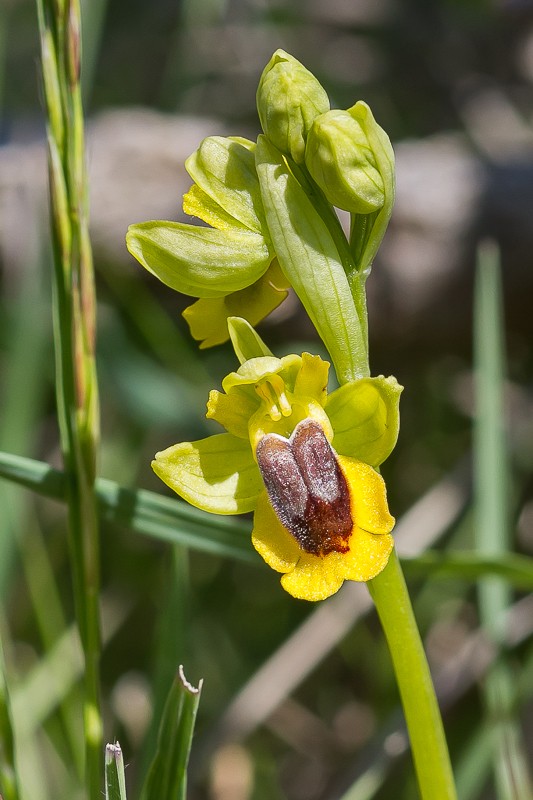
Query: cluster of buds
x,y
270,207
346,152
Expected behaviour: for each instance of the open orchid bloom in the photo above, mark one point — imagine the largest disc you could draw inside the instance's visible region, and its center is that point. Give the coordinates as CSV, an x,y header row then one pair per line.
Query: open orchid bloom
x,y
302,459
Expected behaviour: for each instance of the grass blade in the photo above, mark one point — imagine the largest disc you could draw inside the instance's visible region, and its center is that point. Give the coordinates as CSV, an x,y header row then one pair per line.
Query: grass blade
x,y
74,338
115,781
8,774
167,777
516,570
170,520
142,511
171,641
491,484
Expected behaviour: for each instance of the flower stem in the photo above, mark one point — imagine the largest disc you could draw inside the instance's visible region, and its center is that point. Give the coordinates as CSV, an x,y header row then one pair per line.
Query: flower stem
x,y
424,723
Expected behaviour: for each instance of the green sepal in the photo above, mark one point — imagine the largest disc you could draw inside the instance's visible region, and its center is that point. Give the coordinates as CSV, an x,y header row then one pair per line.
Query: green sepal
x,y
367,231
311,262
208,318
224,168
201,262
246,341
365,417
217,474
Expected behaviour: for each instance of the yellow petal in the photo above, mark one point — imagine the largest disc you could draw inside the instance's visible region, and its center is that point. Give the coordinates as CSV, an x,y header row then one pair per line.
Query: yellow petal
x,y
315,577
368,496
207,318
312,379
232,412
271,539
367,556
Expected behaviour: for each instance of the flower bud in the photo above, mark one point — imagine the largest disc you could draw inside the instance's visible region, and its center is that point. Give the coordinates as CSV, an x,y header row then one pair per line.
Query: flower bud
x,y
340,157
289,97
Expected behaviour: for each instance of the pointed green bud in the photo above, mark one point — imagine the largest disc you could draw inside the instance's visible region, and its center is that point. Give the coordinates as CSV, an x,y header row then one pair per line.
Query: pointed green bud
x,y
340,158
289,97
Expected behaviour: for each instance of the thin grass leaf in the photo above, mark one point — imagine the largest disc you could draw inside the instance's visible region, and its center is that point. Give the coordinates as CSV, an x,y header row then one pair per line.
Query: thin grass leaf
x,y
167,777
23,389
491,478
164,518
8,774
171,641
492,535
475,764
366,786
47,684
56,675
142,511
74,337
115,781
51,622
516,569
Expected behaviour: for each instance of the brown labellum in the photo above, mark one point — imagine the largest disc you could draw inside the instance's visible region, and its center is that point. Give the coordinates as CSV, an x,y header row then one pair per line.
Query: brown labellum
x,y
307,488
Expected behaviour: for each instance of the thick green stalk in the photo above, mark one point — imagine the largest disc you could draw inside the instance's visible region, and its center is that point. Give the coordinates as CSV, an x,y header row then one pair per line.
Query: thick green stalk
x,y
74,315
424,723
390,595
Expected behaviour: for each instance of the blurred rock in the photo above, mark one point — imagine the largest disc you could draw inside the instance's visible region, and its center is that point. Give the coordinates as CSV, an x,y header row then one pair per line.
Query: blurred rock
x,y
447,198
136,171
439,187
135,162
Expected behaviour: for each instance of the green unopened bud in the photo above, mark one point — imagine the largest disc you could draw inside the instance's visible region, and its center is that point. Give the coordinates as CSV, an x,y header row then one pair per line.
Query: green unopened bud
x,y
289,98
341,160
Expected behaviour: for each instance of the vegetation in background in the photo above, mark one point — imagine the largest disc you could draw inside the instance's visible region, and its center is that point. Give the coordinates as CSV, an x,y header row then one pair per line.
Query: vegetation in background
x,y
337,715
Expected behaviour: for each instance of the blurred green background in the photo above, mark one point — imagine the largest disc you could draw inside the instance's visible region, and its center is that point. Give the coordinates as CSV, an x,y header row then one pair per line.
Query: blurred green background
x,y
452,83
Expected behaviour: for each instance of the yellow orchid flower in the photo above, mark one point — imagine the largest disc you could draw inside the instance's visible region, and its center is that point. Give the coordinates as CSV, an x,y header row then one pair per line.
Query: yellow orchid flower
x,y
302,459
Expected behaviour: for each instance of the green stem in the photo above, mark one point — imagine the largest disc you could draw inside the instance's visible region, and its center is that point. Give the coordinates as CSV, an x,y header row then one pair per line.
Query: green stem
x,y
424,722
9,782
388,590
356,280
492,530
74,331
